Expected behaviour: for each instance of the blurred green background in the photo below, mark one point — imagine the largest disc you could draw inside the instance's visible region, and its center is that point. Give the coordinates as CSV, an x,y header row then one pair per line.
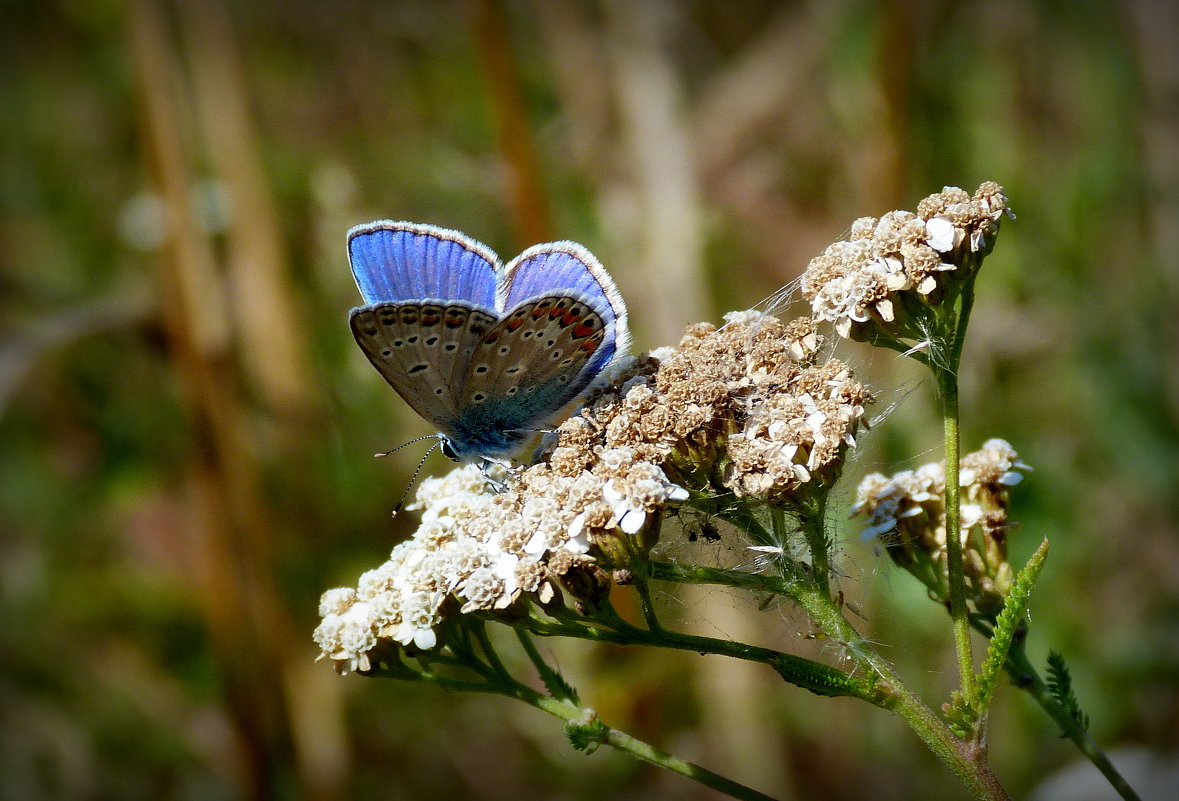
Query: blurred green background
x,y
186,425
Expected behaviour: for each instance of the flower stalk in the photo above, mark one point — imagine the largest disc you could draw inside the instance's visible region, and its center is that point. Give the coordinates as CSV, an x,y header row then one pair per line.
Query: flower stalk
x,y
947,380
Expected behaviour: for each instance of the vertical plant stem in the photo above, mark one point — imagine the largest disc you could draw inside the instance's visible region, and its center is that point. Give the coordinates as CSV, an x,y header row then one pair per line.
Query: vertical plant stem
x,y
489,653
814,526
947,381
948,385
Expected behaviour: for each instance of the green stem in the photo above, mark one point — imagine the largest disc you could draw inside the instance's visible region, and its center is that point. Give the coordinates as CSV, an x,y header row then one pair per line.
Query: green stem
x,y
554,682
692,574
967,759
495,680
644,590
479,628
568,710
948,384
806,673
577,716
814,528
947,381
740,515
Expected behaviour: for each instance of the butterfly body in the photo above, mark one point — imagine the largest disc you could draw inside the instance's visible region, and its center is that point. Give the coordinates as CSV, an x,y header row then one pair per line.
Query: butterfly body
x,y
486,353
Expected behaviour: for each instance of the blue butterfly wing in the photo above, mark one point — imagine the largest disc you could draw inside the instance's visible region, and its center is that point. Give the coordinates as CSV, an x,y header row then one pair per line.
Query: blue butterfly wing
x,y
526,368
485,354
423,350
568,268
403,261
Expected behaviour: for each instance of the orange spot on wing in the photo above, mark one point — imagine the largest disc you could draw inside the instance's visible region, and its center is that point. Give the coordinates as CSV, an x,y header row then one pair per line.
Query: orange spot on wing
x,y
582,330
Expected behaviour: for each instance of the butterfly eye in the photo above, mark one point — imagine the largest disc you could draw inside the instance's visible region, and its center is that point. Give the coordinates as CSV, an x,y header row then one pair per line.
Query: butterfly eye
x,y
448,451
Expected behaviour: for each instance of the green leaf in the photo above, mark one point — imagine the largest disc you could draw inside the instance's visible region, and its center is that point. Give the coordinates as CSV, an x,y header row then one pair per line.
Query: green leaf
x,y
962,715
1060,684
587,732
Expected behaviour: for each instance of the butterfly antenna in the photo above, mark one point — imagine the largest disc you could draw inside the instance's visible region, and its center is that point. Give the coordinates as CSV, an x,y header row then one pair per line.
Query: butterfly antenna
x,y
417,471
411,442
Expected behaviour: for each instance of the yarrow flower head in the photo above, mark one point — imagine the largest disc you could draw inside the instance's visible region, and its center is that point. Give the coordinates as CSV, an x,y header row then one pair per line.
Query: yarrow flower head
x,y
907,514
478,550
745,411
884,279
744,408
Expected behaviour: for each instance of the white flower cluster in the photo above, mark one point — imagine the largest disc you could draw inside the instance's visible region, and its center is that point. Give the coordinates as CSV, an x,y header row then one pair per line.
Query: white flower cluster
x,y
865,280
907,512
478,550
890,501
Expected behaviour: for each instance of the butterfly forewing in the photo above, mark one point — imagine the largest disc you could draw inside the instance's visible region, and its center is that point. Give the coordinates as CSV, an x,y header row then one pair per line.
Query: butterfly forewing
x,y
402,261
534,360
423,350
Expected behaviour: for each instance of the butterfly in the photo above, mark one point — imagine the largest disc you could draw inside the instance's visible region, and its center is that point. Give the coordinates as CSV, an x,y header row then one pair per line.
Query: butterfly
x,y
485,352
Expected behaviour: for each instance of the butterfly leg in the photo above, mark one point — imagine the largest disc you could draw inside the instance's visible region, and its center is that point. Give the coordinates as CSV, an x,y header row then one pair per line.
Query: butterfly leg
x,y
496,472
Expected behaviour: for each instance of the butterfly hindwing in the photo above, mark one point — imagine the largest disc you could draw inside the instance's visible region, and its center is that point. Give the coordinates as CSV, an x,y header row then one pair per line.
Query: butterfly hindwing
x,y
568,268
423,351
534,360
401,261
